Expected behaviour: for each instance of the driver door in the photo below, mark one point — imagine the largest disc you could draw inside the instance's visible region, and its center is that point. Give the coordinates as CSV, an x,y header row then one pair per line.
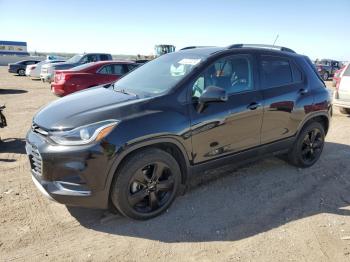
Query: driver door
x,y
222,128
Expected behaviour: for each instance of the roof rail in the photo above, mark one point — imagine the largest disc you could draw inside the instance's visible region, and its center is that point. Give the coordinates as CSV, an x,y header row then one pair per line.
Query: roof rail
x,y
281,48
193,47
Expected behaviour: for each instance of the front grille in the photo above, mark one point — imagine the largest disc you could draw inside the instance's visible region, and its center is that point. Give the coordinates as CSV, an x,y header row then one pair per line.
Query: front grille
x,y
37,129
35,161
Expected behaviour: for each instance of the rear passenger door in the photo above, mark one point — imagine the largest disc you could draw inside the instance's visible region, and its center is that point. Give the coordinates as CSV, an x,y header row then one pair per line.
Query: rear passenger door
x,y
283,89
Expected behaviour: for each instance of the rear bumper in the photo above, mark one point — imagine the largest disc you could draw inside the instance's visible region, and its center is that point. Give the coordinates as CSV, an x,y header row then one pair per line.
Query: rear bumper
x,y
58,90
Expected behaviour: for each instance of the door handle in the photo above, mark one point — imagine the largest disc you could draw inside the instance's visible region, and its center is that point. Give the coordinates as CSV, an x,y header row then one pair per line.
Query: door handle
x,y
253,106
303,91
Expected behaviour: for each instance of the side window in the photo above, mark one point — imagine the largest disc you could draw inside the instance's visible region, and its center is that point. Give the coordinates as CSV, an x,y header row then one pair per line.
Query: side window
x,y
118,69
106,70
297,75
29,63
234,74
92,58
104,57
275,71
89,59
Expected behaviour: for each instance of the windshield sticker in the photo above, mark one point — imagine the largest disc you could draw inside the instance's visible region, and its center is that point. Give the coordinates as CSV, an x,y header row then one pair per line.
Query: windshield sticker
x,y
177,71
187,61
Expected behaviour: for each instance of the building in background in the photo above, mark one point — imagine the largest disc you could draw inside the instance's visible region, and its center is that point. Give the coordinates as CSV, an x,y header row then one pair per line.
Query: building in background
x,y
13,48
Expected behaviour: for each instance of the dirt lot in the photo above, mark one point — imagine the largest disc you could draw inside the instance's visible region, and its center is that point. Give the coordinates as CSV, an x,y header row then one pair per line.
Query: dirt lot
x,y
266,211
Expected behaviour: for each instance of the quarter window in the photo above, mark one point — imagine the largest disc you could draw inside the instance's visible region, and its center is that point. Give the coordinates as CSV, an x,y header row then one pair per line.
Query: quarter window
x,y
297,75
118,70
234,74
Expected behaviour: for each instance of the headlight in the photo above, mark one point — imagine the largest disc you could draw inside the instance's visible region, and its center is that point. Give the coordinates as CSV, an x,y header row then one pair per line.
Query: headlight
x,y
85,134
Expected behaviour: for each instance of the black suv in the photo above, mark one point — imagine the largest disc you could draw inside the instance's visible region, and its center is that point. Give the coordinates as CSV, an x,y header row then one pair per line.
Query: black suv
x,y
132,145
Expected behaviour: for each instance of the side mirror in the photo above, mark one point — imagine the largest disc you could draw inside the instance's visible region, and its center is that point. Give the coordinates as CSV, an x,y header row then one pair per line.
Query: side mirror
x,y
211,94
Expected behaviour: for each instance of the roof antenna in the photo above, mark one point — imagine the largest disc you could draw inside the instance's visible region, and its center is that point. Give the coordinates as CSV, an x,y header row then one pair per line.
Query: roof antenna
x,y
275,40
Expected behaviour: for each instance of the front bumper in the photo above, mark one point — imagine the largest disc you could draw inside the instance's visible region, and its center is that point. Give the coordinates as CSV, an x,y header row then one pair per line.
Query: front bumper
x,y
73,176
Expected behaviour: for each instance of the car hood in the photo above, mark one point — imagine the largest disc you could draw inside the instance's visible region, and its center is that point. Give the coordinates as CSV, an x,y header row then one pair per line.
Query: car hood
x,y
85,107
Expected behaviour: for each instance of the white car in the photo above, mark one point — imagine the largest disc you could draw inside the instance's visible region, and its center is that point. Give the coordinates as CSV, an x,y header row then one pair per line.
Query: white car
x,y
34,71
342,92
47,73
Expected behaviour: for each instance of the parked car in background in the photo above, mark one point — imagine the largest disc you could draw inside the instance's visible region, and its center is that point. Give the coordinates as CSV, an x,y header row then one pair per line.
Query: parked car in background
x,y
133,145
20,66
47,71
342,91
336,77
89,75
33,71
327,67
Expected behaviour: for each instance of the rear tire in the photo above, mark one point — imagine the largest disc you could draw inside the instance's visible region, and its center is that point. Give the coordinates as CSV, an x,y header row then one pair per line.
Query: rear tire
x,y
308,146
21,72
344,110
146,184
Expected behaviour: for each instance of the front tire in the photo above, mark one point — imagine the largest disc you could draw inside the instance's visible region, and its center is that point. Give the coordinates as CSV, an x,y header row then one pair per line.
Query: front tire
x,y
344,110
308,147
146,184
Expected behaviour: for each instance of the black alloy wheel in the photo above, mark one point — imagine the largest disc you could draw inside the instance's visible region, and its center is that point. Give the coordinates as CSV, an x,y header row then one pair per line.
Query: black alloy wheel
x,y
312,146
308,146
146,184
151,187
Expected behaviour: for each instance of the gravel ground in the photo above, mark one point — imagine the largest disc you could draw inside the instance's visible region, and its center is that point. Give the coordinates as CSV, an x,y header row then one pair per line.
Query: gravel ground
x,y
265,211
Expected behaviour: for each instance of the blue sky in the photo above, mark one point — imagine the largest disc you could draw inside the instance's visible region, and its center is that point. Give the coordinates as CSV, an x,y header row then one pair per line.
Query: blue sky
x,y
319,28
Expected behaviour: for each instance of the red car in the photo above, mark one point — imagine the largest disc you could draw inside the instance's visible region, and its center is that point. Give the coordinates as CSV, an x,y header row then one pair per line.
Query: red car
x,y
89,75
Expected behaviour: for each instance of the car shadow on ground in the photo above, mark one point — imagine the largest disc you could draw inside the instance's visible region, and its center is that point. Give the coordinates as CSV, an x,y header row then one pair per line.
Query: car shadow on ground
x,y
12,145
242,203
12,91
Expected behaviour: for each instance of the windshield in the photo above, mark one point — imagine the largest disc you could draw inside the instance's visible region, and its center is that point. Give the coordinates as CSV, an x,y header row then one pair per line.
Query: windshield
x,y
159,75
74,59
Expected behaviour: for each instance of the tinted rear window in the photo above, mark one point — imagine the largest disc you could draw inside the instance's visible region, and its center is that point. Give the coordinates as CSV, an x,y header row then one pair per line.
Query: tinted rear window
x,y
297,75
275,71
347,71
104,57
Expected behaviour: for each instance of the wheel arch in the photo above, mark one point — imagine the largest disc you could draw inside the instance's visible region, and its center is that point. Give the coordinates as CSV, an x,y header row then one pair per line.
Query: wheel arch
x,y
170,145
321,117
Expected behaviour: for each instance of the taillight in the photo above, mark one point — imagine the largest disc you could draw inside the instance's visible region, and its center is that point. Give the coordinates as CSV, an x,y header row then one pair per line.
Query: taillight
x,y
32,67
